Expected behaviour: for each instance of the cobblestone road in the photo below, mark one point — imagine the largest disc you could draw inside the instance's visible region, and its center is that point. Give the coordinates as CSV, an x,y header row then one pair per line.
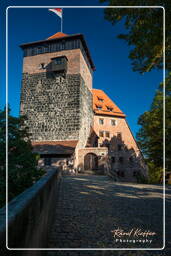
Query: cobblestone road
x,y
90,207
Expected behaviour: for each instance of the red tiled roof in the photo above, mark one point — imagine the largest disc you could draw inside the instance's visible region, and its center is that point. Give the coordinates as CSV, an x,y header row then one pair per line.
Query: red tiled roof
x,y
55,147
99,95
57,35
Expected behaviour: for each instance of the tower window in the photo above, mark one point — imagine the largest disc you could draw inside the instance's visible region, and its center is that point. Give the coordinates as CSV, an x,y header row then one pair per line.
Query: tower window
x,y
107,134
58,60
101,121
101,133
42,66
113,122
34,51
39,50
45,48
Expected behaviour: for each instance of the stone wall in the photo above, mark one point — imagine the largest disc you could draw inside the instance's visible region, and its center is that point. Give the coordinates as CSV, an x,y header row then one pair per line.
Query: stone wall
x,y
76,64
86,118
86,114
31,215
55,105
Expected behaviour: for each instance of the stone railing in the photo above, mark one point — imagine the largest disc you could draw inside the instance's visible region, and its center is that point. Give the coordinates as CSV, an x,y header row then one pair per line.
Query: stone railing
x,y
30,215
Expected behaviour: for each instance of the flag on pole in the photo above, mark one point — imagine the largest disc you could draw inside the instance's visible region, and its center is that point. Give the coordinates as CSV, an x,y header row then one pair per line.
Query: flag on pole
x,y
58,11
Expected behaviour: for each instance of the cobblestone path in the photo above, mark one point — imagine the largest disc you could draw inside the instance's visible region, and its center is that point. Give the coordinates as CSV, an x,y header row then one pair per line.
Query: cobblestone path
x,y
90,207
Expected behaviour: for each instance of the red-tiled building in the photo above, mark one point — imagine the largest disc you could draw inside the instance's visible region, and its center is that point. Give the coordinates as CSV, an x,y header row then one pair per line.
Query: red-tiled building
x,y
71,124
114,133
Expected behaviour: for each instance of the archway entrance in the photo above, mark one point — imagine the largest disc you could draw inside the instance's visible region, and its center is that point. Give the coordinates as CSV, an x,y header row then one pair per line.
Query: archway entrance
x,y
90,162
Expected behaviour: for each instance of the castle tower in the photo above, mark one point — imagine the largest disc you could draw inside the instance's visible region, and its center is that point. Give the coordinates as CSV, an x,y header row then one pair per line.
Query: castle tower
x,y
56,93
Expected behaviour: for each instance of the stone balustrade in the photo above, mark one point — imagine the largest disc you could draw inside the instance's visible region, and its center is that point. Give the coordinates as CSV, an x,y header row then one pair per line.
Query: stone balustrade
x,y
31,214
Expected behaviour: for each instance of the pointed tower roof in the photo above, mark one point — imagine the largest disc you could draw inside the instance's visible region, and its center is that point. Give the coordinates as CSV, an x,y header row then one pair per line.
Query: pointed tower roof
x,y
57,35
103,105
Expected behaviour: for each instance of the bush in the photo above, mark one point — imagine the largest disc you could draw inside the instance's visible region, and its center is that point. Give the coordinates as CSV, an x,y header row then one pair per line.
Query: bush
x,y
22,163
141,178
155,173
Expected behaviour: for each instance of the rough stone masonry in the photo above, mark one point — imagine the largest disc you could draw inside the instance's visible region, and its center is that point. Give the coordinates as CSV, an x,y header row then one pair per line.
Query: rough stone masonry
x,y
57,107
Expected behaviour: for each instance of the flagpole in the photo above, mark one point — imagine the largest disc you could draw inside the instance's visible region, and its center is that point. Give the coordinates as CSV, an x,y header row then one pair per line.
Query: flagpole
x,y
62,20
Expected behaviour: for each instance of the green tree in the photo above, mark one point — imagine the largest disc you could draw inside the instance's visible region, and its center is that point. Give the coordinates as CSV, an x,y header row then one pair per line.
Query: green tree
x,y
145,37
145,31
22,171
150,135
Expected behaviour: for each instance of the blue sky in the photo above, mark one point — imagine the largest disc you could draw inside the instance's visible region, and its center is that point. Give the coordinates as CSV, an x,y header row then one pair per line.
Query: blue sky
x,y
132,92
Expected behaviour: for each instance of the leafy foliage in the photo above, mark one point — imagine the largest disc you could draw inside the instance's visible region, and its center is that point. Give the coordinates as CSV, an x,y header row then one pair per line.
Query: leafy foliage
x,y
150,136
145,31
145,38
154,176
22,171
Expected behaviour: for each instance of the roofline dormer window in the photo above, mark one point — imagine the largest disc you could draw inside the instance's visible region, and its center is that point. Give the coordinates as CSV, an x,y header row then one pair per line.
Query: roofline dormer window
x,y
109,108
100,99
99,107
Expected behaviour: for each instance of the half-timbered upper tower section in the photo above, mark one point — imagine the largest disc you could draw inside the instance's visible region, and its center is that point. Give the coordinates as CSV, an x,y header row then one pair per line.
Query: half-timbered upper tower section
x,y
39,56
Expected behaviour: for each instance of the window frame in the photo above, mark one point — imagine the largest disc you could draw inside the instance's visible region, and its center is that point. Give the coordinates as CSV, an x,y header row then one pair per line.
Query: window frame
x,y
102,132
107,132
101,119
113,120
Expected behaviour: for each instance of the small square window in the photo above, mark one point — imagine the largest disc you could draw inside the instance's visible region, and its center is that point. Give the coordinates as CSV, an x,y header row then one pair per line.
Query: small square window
x,y
45,49
101,134
39,50
119,135
107,134
101,121
42,66
113,122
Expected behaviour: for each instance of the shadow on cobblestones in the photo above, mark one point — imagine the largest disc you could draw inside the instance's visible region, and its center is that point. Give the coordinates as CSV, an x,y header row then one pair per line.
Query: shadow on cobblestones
x,y
90,207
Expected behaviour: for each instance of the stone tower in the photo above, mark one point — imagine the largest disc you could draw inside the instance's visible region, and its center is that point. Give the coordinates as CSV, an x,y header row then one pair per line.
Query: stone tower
x,y
71,124
56,89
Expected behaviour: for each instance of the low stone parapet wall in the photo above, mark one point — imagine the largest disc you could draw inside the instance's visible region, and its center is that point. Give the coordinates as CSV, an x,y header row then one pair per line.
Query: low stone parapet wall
x,y
31,214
